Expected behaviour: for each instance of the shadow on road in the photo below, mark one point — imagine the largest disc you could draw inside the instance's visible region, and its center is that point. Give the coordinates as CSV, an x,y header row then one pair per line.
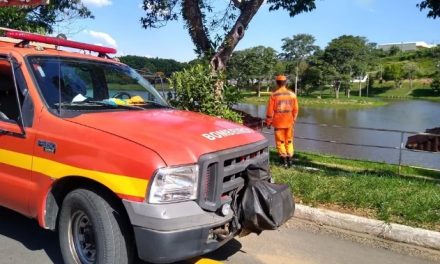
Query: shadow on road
x,y
27,232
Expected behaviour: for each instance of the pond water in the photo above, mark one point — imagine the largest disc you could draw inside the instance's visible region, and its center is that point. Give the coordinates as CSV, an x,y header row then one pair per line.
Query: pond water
x,y
408,116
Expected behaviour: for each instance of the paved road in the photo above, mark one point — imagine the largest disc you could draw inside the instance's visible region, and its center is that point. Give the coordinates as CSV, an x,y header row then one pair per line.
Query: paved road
x,y
23,242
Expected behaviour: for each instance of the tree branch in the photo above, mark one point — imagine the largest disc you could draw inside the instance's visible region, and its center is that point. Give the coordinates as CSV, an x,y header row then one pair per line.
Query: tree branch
x,y
249,9
238,4
194,19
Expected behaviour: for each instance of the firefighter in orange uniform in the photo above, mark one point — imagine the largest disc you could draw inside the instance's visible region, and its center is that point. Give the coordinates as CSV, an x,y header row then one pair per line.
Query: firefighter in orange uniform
x,y
282,110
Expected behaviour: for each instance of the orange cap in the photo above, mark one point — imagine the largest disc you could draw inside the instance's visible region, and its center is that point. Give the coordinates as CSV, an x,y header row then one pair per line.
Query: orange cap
x,y
281,78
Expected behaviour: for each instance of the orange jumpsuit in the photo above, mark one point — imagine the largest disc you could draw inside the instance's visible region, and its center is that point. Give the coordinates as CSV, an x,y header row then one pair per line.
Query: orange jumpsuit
x,y
282,110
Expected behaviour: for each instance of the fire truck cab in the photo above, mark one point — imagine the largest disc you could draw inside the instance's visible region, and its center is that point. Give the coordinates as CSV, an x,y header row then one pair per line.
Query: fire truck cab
x,y
91,150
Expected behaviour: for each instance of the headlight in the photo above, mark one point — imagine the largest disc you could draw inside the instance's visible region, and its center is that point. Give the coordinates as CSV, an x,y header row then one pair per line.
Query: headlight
x,y
174,184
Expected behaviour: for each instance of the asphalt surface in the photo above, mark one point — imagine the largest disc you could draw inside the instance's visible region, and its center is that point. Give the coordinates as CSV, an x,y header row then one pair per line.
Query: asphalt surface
x,y
22,241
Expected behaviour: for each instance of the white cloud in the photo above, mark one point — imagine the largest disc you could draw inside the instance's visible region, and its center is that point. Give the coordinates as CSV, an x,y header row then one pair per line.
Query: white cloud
x,y
98,3
103,37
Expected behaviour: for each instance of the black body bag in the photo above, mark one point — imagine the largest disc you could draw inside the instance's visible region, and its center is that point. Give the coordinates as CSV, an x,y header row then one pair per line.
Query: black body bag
x,y
264,205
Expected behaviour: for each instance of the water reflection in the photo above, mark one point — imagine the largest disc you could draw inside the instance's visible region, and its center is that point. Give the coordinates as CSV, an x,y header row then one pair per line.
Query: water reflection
x,y
411,115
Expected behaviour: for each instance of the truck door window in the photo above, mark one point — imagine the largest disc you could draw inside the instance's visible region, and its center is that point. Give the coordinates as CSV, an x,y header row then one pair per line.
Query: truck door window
x,y
9,108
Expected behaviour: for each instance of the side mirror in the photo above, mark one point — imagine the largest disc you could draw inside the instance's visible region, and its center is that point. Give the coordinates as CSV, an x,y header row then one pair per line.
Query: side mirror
x,y
10,128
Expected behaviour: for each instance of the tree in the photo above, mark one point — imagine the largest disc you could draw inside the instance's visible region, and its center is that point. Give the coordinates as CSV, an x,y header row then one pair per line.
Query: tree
x,y
311,79
43,18
193,87
435,85
432,5
297,49
346,56
253,64
410,69
394,50
393,72
215,34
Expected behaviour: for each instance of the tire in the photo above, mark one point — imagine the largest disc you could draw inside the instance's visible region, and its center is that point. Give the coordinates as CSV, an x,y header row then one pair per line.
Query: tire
x,y
93,231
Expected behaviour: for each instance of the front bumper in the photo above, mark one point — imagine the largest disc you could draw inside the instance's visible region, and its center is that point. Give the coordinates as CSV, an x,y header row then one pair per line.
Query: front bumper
x,y
166,233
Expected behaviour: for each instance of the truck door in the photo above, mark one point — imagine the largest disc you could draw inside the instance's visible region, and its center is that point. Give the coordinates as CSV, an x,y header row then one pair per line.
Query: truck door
x,y
16,137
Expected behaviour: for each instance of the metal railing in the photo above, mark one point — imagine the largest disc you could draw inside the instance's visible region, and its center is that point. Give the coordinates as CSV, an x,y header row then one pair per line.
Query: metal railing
x,y
399,148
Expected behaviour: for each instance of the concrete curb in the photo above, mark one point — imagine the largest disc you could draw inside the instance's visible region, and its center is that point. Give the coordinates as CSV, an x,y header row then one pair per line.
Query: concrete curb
x,y
395,232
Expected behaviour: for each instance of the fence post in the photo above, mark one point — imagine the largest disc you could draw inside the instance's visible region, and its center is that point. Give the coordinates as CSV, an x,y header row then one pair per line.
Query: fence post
x,y
400,153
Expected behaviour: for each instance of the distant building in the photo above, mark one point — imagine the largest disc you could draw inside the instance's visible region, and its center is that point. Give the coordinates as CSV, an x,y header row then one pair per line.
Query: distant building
x,y
406,46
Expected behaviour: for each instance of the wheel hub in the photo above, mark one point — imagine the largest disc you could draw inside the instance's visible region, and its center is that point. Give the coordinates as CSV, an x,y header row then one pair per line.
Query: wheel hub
x,y
83,238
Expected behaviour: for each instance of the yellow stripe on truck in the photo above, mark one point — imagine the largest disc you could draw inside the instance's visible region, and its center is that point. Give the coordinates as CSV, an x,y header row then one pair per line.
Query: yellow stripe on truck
x,y
16,159
119,184
205,261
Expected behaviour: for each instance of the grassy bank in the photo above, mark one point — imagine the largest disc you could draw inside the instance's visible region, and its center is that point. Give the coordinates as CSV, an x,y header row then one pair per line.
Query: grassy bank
x,y
380,91
364,188
353,102
420,90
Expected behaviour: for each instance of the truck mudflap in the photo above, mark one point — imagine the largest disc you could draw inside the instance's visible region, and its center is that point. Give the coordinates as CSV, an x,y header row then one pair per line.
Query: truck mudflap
x,y
264,205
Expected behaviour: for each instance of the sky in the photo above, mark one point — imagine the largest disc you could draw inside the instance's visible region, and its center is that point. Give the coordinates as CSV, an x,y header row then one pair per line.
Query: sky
x,y
117,24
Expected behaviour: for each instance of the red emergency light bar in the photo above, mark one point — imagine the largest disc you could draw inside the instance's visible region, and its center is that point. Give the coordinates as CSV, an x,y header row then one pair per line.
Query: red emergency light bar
x,y
59,42
23,3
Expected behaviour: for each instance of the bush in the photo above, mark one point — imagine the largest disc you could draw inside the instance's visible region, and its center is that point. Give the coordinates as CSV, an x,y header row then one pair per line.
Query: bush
x,y
194,88
435,85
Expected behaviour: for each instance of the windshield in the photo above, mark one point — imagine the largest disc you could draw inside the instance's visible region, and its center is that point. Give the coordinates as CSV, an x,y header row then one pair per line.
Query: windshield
x,y
79,84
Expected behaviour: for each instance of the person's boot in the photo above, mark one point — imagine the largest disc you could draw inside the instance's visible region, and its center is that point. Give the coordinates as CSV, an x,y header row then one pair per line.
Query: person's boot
x,y
289,161
284,162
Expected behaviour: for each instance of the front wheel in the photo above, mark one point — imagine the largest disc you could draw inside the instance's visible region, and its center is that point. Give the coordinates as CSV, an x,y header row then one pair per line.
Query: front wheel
x,y
92,231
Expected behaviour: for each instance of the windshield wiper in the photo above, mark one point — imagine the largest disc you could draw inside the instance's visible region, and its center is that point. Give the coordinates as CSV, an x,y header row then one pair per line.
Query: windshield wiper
x,y
156,104
131,107
87,104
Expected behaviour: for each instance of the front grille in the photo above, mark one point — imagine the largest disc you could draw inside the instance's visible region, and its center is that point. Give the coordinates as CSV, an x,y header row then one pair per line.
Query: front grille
x,y
223,172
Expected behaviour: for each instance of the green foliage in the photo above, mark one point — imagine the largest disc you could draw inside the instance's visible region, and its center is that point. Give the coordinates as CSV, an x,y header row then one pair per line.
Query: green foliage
x,y
393,72
257,63
345,57
215,29
195,92
311,79
298,48
42,18
410,70
152,65
252,63
435,85
348,54
362,186
394,50
296,51
432,5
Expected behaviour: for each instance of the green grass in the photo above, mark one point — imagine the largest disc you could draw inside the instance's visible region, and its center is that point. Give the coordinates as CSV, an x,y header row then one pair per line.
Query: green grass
x,y
354,102
365,188
421,90
380,91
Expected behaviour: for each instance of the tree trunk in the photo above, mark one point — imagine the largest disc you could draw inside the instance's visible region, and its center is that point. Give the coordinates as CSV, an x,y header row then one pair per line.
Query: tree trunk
x,y
221,57
296,79
360,87
337,87
193,17
259,89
